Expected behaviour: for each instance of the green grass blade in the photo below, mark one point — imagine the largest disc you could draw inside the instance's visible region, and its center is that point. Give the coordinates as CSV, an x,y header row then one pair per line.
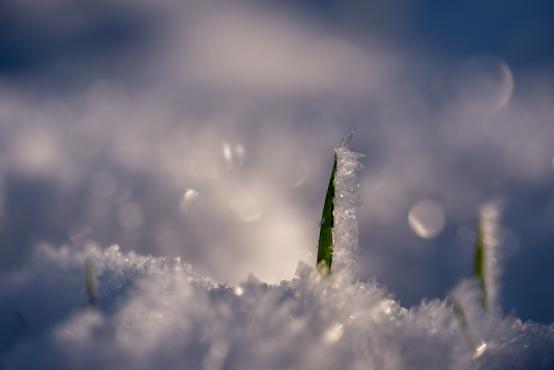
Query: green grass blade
x,y
90,283
325,247
479,263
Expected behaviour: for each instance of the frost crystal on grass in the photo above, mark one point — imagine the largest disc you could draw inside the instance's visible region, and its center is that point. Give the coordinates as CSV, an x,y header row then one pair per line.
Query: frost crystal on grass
x,y
488,224
347,200
338,237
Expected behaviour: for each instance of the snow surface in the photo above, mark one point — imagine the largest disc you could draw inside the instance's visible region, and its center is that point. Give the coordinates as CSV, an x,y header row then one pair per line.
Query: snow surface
x,y
155,313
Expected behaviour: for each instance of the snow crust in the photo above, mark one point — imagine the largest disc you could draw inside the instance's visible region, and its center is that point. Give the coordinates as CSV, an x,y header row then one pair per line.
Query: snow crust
x,y
154,313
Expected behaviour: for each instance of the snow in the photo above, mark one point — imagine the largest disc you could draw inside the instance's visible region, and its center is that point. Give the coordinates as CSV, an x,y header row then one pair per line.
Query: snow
x,y
154,313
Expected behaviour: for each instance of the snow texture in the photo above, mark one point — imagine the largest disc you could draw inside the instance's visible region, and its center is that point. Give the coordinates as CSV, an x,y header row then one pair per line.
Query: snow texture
x,y
345,230
155,313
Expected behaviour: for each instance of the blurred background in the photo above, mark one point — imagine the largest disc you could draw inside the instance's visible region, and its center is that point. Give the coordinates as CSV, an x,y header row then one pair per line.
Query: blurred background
x,y
204,129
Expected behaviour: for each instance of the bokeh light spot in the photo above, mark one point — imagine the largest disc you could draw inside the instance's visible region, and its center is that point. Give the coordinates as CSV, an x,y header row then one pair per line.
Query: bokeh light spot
x,y
485,83
426,218
246,208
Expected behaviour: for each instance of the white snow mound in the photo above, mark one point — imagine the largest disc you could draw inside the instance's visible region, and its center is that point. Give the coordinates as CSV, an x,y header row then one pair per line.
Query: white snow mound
x,y
152,313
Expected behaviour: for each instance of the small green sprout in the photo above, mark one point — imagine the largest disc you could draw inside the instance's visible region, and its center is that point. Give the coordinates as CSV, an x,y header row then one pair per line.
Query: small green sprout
x,y
461,318
90,282
325,247
479,263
